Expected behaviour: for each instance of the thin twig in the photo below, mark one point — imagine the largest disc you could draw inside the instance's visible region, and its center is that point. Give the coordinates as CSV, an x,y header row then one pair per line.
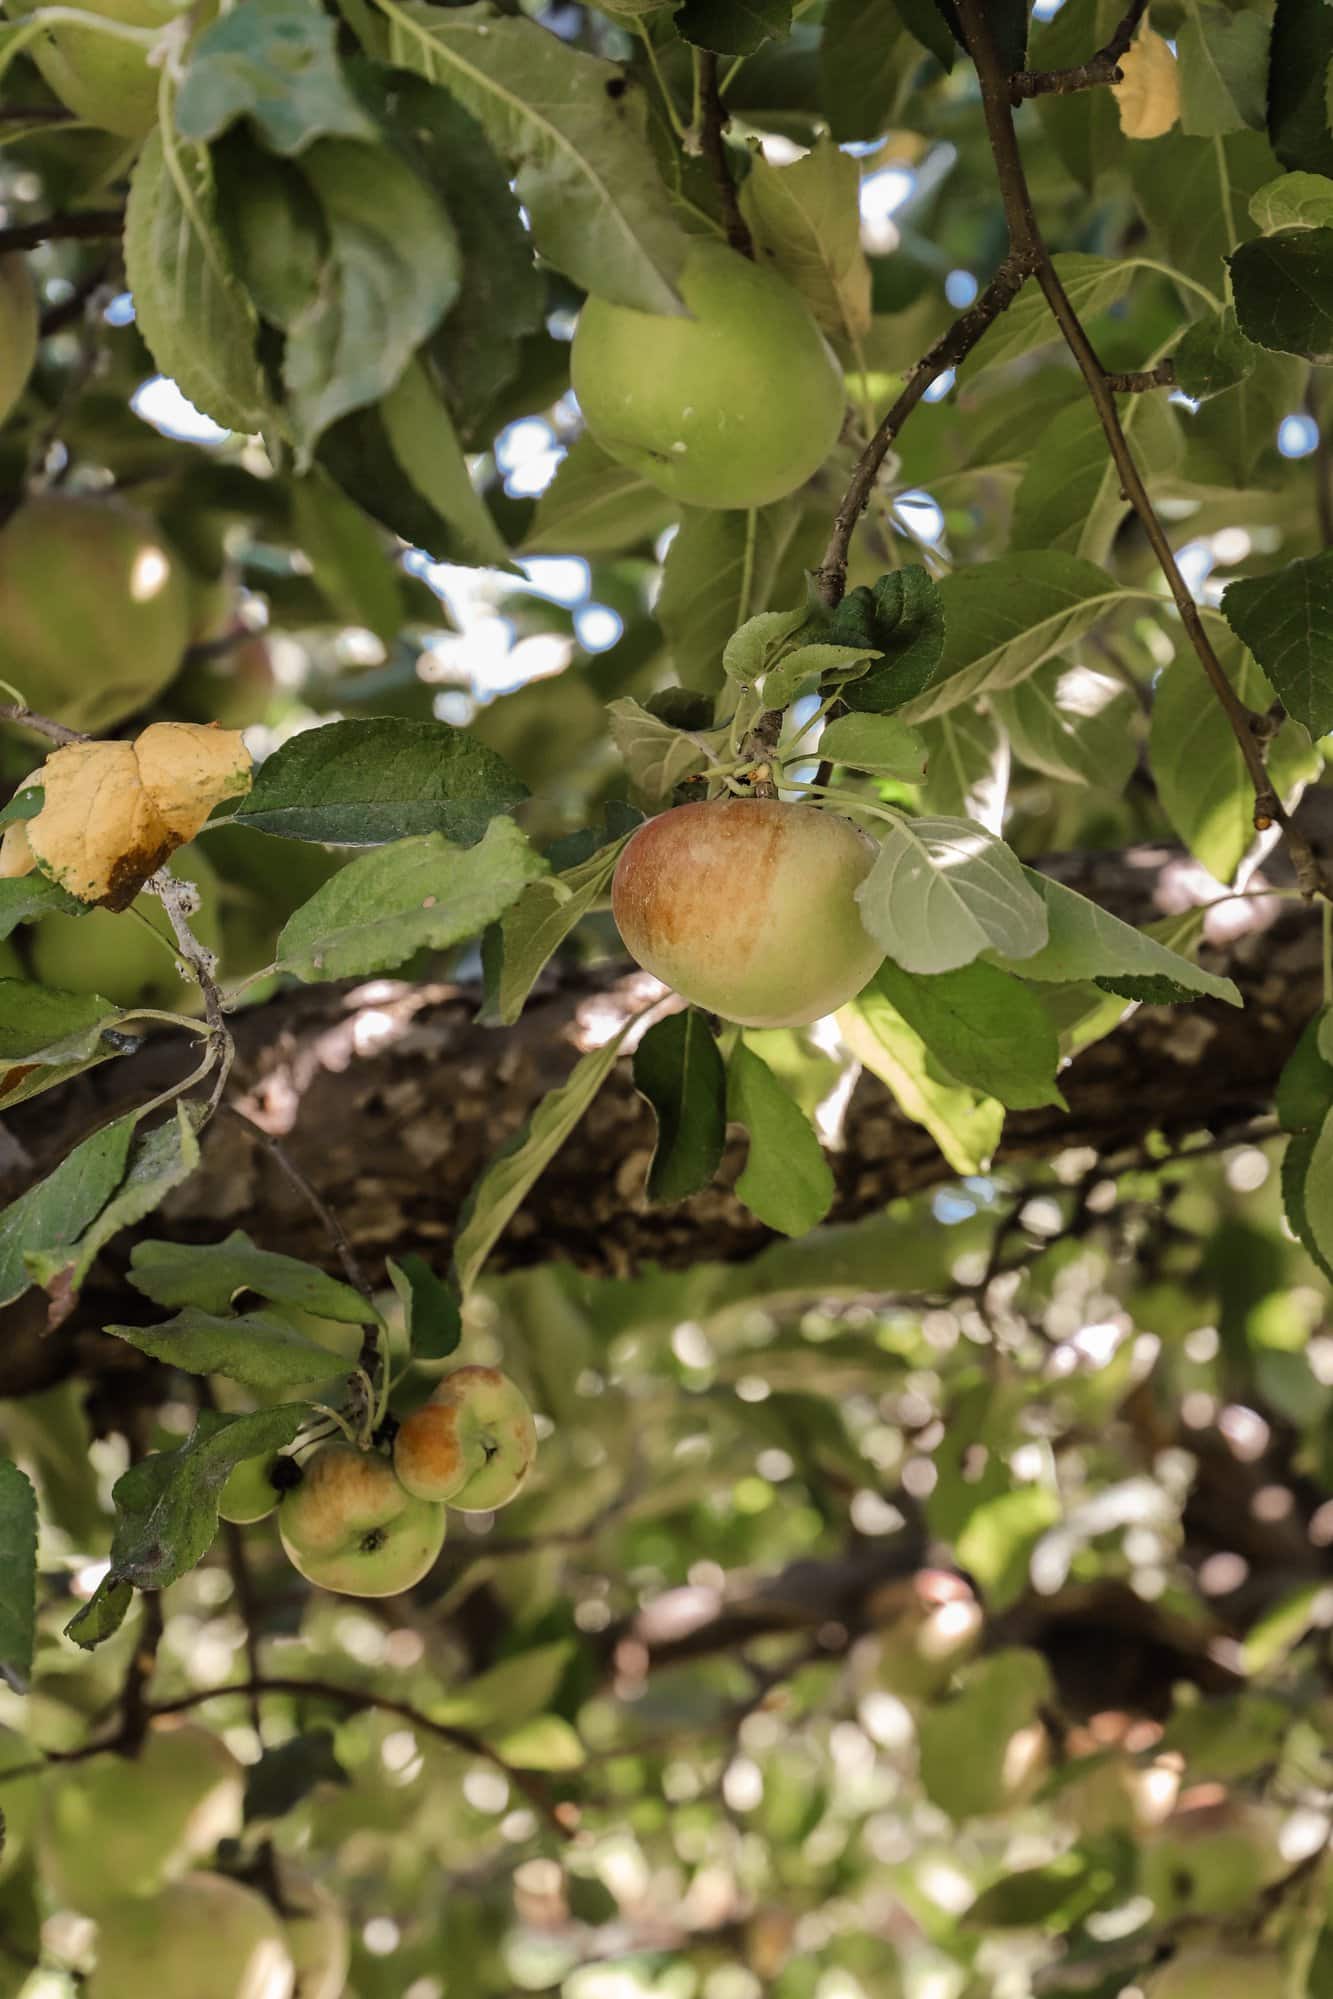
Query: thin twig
x,y
333,1228
1028,242
24,717
1104,67
177,899
712,126
91,222
462,1739
1133,381
952,347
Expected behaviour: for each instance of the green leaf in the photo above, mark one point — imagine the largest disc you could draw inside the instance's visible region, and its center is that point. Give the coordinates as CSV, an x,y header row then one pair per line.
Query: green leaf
x,y
573,129
288,1772
750,652
23,898
903,617
18,1565
273,61
359,784
25,804
167,1504
430,1306
805,221
211,1274
50,1216
732,27
523,1685
1202,781
103,1614
679,1069
595,506
393,271
1232,439
159,1161
1193,193
547,1742
997,1542
1316,1192
1293,201
1284,291
198,323
1094,284
349,556
967,773
1002,620
879,743
964,1123
983,1026
941,891
1035,1896
963,1741
865,61
657,756
426,445
534,926
416,893
1301,51
718,572
1213,356
787,1183
1069,496
1286,619
258,1349
1297,1194
1083,128
1274,1636
1073,724
1223,65
1087,942
506,1182
1304,1095
40,1025
929,23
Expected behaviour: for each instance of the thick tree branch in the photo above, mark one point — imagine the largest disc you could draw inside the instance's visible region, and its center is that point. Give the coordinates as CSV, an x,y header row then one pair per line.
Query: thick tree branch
x,y
1104,67
1027,241
951,348
712,126
82,224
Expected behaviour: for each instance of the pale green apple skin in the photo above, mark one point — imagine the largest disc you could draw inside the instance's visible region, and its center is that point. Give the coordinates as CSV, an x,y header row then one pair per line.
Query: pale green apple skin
x,y
472,1445
109,1828
94,609
109,952
249,1494
317,1936
104,81
206,1936
735,405
18,331
746,907
1216,1974
350,1527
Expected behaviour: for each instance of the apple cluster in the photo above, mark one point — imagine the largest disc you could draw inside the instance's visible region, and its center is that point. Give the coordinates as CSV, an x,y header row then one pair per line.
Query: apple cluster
x,y
370,1523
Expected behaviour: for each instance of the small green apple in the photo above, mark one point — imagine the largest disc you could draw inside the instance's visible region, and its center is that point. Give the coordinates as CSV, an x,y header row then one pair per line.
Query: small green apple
x,y
349,1526
113,1826
18,331
110,952
472,1445
19,1798
206,1936
746,906
249,1493
1221,1974
318,1938
94,609
733,404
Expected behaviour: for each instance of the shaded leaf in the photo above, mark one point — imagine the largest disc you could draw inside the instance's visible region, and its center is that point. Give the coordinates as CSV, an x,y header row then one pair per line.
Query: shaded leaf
x,y
258,1349
1286,619
273,61
18,1565
985,1027
679,1069
288,1772
964,1123
787,1182
48,1219
211,1274
1284,291
430,1306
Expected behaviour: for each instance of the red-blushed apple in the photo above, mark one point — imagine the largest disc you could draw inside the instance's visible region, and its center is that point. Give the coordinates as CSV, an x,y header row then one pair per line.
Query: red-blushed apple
x,y
746,906
472,1445
351,1527
734,404
206,1936
1221,1974
18,330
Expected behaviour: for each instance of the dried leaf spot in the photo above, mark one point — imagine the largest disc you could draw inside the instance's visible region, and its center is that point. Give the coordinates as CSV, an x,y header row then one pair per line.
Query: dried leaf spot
x,y
114,812
16,855
1149,94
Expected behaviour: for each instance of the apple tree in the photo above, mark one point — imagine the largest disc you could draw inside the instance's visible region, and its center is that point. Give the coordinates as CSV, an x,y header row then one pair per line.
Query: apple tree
x,y
666,999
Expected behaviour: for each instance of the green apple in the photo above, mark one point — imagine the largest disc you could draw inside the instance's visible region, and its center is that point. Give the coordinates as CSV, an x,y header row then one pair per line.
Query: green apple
x,y
318,1938
105,81
1210,1859
746,906
1221,1974
733,404
18,1798
249,1493
110,952
115,1826
94,609
472,1445
349,1526
18,331
205,1936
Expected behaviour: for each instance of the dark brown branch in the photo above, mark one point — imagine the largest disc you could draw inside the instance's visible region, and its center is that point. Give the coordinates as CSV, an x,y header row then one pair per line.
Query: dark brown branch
x,y
1135,381
951,348
90,222
1027,241
1104,67
713,125
557,1817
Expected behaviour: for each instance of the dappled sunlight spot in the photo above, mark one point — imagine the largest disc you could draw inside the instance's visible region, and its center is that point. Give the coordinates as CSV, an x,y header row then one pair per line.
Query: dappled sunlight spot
x,y
1222,1573
163,405
1245,1431
381,1936
149,574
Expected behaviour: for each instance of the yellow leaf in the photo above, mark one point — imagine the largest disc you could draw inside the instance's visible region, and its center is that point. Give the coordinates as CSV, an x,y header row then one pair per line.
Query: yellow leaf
x,y
1149,96
16,856
114,812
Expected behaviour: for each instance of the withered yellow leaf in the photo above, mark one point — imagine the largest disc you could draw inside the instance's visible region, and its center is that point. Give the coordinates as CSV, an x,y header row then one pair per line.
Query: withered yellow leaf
x,y
1149,96
114,812
16,856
